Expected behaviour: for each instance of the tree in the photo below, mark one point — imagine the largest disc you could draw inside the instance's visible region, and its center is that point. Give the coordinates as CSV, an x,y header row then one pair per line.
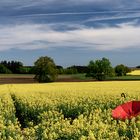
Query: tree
x,y
70,70
138,67
79,69
100,69
121,70
4,70
13,66
45,69
60,69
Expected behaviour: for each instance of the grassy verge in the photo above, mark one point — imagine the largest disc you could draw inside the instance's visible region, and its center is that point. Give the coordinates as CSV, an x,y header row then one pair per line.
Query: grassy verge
x,y
83,77
16,75
128,77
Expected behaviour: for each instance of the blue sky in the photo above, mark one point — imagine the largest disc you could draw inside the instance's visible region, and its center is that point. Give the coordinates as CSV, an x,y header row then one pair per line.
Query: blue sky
x,y
72,32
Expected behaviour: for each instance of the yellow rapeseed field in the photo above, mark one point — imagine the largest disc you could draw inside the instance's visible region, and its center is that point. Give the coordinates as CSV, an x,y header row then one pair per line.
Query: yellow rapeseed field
x,y
64,111
75,88
135,72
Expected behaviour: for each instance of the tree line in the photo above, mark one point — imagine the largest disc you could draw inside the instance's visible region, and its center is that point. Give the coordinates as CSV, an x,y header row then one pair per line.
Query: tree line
x,y
46,70
14,67
17,67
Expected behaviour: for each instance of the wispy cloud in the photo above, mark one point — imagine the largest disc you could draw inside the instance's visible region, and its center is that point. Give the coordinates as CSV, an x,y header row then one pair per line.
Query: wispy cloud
x,y
81,33
86,12
98,25
9,7
43,36
133,13
116,16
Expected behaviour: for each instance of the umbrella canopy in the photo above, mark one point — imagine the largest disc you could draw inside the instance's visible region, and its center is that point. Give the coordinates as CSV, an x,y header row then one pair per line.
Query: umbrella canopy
x,y
126,110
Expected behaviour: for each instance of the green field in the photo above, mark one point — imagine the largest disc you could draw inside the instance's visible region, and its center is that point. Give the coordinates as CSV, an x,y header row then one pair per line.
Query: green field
x,y
16,75
67,111
127,77
121,78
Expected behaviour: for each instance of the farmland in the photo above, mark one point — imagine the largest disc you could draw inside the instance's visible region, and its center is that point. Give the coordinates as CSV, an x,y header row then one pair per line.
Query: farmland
x,y
28,78
60,111
134,72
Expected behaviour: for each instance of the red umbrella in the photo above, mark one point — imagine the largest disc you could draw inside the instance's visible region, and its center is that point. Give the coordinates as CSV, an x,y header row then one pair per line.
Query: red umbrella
x,y
126,110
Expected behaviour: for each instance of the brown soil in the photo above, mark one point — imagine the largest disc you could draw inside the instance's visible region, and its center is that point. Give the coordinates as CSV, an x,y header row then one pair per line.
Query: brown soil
x,y
20,80
16,80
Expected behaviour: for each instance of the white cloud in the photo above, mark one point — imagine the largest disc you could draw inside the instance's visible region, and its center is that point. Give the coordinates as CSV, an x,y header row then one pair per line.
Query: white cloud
x,y
33,36
116,16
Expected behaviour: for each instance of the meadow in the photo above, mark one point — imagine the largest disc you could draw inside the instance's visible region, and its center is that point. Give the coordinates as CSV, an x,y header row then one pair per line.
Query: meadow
x,y
67,111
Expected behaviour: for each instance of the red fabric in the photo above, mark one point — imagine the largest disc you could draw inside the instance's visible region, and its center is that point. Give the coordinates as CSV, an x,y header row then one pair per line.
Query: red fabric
x,y
127,110
136,108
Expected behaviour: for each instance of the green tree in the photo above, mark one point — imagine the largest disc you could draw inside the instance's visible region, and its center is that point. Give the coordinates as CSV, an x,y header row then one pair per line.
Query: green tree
x,y
100,69
13,66
45,70
60,69
4,70
121,70
70,70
